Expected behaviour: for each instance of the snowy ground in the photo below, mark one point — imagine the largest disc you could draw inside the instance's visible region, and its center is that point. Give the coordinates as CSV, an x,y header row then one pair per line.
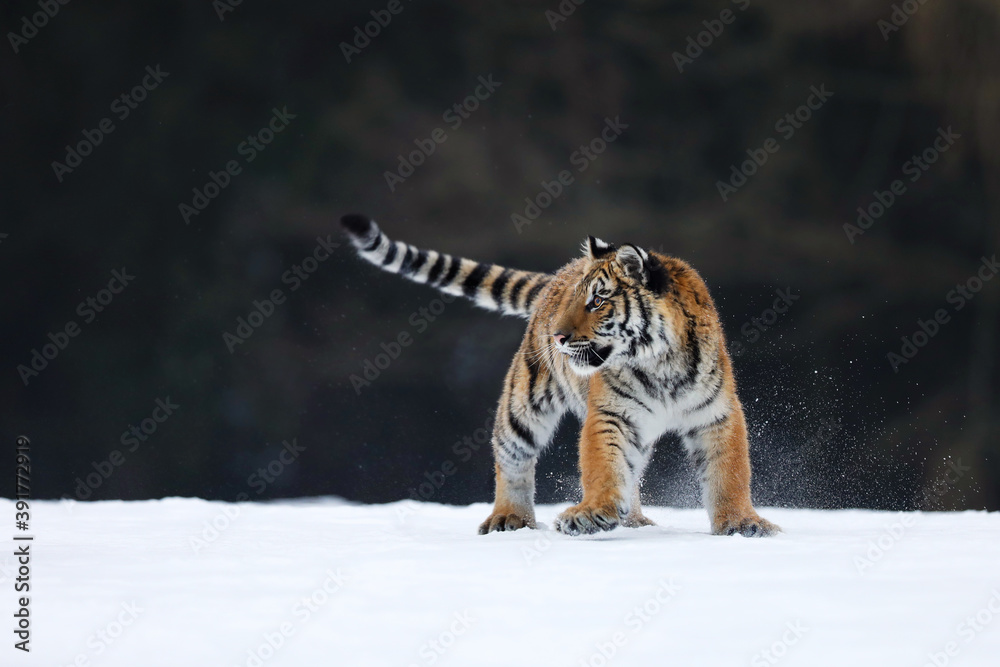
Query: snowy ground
x,y
141,584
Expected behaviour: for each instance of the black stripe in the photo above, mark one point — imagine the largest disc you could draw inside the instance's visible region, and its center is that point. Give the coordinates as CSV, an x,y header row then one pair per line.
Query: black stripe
x,y
404,267
618,390
644,337
715,422
516,290
646,382
559,391
624,394
513,450
475,278
702,457
436,269
533,292
708,401
626,422
700,461
373,243
547,391
456,263
693,357
391,255
496,290
628,309
532,374
419,261
521,431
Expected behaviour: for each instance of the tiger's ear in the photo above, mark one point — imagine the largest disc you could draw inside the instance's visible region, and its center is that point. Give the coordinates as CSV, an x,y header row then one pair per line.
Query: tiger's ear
x,y
595,248
634,261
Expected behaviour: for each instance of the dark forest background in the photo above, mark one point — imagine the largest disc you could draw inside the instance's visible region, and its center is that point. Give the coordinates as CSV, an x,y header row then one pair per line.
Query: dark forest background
x,y
832,423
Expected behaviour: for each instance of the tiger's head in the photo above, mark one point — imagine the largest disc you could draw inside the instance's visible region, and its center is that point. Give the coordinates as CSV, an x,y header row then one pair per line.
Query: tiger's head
x,y
611,314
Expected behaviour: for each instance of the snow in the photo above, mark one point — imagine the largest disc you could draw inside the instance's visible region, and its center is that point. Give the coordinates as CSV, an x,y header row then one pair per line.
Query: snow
x,y
334,583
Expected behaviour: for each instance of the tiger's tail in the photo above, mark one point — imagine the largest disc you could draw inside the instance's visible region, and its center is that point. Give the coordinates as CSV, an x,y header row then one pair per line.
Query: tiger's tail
x,y
509,291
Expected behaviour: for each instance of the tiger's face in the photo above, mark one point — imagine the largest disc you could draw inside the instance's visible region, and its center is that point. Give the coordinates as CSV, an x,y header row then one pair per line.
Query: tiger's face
x,y
608,317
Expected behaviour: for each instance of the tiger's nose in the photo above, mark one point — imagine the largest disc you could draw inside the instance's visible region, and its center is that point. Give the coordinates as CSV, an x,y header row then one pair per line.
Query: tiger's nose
x,y
561,338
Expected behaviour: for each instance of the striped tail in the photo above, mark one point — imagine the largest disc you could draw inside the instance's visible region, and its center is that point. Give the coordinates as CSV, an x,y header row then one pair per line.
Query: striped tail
x,y
493,287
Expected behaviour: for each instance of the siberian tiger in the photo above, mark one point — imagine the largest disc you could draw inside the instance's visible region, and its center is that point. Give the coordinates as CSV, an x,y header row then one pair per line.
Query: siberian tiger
x,y
630,342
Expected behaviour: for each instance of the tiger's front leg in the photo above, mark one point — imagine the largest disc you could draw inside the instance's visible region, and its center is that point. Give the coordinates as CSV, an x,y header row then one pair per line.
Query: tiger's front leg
x,y
609,463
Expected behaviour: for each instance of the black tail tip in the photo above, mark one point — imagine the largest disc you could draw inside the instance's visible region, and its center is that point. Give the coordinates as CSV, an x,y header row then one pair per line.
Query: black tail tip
x,y
357,224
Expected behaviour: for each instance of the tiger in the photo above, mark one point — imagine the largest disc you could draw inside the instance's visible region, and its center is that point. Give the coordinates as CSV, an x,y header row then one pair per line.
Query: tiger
x,y
626,339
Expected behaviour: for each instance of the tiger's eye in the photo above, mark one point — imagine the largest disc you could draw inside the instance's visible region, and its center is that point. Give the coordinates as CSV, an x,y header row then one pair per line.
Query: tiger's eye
x,y
598,302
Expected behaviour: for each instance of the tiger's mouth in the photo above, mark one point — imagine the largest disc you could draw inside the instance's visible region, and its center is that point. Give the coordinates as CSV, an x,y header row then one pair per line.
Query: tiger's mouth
x,y
588,357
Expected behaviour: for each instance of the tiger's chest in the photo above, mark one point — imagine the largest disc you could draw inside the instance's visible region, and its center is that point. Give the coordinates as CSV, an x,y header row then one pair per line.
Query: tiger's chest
x,y
660,398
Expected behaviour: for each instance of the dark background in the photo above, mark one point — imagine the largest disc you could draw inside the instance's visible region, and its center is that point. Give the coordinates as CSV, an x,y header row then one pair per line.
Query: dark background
x,y
832,425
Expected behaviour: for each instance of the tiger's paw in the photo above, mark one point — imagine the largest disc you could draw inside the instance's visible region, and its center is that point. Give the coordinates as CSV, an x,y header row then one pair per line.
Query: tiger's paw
x,y
585,520
637,520
500,521
750,526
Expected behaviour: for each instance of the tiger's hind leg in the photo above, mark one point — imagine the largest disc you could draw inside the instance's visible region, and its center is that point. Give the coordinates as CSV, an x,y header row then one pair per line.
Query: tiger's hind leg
x,y
527,417
635,517
721,455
